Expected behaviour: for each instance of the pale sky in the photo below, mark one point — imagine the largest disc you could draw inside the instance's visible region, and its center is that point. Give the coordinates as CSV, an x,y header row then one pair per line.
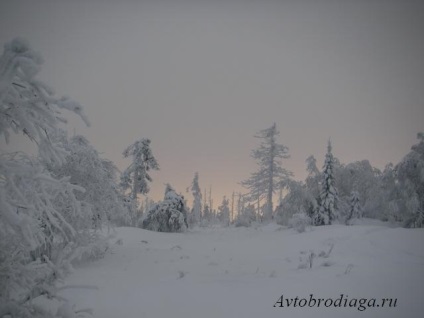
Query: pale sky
x,y
200,78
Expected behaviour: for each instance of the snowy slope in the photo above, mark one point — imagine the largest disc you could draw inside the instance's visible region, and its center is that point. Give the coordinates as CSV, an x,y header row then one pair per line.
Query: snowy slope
x,y
242,272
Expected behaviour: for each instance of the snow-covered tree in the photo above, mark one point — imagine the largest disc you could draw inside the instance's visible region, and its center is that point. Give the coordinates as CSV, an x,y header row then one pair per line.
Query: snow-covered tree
x,y
170,215
207,216
311,166
246,216
263,183
357,176
196,211
328,200
314,177
410,187
28,105
355,211
382,198
224,212
96,175
43,226
296,200
136,176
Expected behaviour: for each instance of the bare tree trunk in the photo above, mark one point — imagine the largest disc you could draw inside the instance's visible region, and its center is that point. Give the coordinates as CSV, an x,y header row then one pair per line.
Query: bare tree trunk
x,y
210,198
259,211
135,186
232,208
269,207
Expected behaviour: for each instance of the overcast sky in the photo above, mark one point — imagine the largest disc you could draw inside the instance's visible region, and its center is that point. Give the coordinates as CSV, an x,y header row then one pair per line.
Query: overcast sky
x,y
200,78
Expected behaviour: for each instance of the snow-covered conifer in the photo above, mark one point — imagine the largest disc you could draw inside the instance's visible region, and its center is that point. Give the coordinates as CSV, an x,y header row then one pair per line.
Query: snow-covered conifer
x,y
312,182
136,176
311,166
224,212
207,216
263,183
355,211
328,200
196,211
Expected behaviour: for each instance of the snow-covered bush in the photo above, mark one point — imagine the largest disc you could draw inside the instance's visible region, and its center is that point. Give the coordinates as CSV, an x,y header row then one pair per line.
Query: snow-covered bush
x,y
299,221
170,215
246,217
298,198
43,228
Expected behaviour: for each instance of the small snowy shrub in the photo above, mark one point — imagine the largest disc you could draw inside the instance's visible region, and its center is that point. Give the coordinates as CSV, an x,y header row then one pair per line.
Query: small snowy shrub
x,y
246,217
325,254
299,222
169,215
307,261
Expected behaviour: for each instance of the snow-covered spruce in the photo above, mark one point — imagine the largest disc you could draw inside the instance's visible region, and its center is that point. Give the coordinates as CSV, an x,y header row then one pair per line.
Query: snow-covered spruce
x,y
328,200
196,212
170,215
355,211
136,177
312,184
224,212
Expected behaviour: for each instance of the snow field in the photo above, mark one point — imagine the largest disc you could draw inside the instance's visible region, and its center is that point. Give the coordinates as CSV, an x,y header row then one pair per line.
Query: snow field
x,y
242,272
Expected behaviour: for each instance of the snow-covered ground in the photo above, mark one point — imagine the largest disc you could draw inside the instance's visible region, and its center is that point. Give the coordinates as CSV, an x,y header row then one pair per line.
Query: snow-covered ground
x,y
243,272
